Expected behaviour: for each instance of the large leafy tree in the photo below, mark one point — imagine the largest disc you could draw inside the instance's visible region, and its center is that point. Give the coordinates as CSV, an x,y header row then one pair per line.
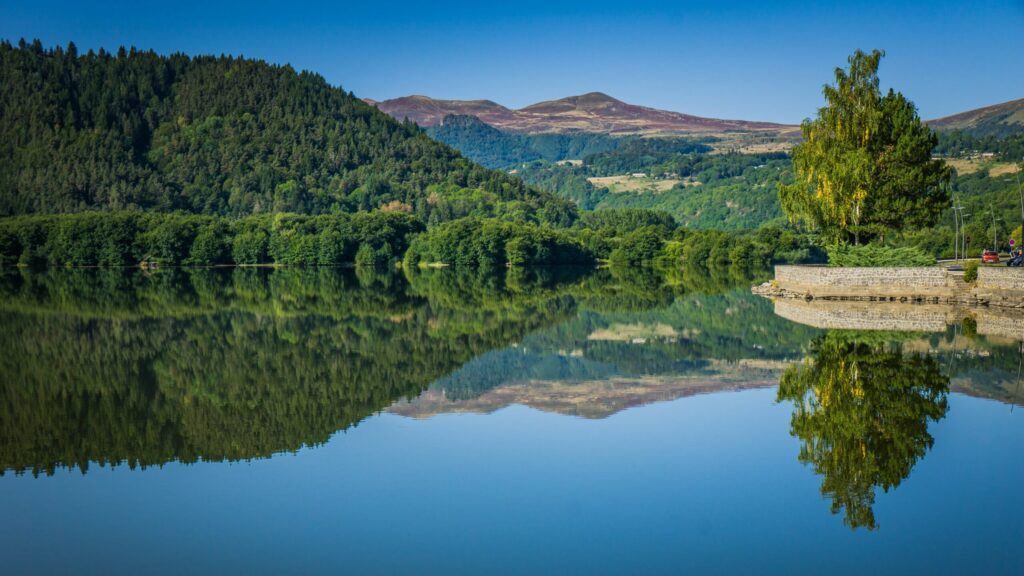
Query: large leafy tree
x,y
865,164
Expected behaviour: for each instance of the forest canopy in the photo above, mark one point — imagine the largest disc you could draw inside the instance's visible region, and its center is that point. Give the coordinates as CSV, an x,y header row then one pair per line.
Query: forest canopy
x,y
219,136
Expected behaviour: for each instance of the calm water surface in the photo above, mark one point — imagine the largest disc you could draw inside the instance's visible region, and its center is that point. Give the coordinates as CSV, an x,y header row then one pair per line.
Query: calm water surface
x,y
322,421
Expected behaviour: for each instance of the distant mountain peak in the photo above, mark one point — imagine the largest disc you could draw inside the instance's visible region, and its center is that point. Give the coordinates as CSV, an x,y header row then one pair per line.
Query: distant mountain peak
x,y
589,112
591,101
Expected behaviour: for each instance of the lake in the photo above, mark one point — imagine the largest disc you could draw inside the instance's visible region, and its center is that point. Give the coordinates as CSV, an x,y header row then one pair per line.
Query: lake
x,y
314,421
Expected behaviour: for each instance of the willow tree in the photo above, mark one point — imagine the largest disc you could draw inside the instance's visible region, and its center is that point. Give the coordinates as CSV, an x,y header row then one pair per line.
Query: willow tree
x,y
865,162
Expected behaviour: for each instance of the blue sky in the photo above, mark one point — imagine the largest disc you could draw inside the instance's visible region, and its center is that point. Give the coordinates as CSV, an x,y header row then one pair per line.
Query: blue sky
x,y
749,60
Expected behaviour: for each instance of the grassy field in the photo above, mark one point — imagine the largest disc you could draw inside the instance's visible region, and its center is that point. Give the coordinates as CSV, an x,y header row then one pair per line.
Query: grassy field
x,y
636,184
971,165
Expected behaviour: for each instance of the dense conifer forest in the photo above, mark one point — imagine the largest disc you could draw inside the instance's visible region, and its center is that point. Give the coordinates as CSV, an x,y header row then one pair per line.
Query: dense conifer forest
x,y
218,136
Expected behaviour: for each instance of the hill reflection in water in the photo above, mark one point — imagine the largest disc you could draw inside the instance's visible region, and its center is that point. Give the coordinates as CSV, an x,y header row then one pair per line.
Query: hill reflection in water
x,y
127,367
142,368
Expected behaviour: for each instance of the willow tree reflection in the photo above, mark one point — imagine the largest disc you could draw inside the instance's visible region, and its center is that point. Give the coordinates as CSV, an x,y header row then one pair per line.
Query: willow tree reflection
x,y
862,409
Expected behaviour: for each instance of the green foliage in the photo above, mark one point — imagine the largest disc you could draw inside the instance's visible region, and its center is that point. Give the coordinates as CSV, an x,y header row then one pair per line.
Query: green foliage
x,y
493,148
640,247
625,220
744,249
250,247
844,255
984,198
369,257
656,155
958,143
211,246
122,238
489,243
865,163
971,271
217,136
861,411
724,191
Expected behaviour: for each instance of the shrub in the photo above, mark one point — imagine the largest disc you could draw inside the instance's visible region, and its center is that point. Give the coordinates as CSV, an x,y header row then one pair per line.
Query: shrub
x,y
876,255
971,271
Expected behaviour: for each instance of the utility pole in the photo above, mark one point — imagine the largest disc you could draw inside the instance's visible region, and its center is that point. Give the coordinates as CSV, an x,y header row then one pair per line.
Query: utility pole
x,y
993,213
956,231
963,232
956,235
1021,191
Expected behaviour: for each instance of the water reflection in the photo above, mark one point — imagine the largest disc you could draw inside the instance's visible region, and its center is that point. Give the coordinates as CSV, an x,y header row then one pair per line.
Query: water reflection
x,y
123,366
110,367
861,410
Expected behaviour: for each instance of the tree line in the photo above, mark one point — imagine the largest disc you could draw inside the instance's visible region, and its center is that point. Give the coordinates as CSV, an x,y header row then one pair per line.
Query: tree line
x,y
631,237
178,238
957,143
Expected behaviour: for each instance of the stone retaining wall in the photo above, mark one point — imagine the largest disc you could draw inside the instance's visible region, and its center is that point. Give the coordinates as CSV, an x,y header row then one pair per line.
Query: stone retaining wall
x,y
1001,278
912,283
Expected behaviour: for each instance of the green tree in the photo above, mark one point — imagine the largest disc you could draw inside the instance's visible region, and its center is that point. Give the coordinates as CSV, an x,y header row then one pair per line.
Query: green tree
x,y
865,163
639,247
210,246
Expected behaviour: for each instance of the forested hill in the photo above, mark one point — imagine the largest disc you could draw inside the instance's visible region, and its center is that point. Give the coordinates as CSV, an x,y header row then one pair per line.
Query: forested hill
x,y
219,135
494,148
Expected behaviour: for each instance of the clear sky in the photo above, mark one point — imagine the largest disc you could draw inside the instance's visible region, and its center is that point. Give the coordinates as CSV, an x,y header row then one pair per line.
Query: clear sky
x,y
756,60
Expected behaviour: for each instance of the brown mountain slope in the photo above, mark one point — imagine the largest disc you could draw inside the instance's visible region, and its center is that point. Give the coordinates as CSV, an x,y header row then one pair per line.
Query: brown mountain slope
x,y
427,111
592,112
998,119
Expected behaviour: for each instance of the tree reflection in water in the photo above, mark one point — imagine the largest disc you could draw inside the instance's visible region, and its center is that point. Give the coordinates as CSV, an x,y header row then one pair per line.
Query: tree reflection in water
x,y
117,366
862,409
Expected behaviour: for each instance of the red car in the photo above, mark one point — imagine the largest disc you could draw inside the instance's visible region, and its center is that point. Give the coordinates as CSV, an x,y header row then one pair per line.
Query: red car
x,y
990,256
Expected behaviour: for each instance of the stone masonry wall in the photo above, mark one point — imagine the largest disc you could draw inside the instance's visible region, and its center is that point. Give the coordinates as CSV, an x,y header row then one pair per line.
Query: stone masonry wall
x,y
1002,278
821,281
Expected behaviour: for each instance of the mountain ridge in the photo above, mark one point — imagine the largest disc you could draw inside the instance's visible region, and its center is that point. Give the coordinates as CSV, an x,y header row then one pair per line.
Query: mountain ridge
x,y
590,112
599,112
1001,119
